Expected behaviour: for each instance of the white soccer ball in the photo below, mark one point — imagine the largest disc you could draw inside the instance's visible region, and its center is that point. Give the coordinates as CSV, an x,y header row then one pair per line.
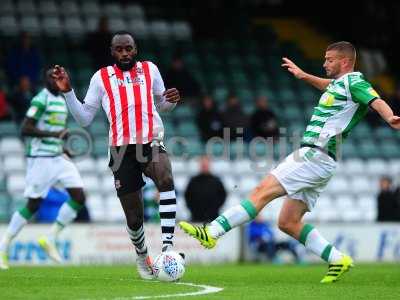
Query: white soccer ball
x,y
169,266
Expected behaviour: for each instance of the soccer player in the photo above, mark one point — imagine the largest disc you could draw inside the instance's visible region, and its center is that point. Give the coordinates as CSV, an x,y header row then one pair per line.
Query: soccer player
x,y
303,175
45,127
130,93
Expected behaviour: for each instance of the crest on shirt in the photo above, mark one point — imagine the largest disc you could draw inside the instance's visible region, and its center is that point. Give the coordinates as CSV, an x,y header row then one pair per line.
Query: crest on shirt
x,y
139,71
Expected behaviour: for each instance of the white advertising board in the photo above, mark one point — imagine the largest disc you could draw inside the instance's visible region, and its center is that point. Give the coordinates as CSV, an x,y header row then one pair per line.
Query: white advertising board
x,y
109,244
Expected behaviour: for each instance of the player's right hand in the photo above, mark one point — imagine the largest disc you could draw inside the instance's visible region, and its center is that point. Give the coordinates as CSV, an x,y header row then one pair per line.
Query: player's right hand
x,y
61,78
293,68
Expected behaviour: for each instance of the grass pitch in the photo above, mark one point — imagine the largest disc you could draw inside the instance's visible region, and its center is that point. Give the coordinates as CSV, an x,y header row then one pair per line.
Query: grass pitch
x,y
247,281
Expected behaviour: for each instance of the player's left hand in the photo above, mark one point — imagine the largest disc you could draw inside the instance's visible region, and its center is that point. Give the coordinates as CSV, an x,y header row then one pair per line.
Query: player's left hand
x,y
172,95
394,121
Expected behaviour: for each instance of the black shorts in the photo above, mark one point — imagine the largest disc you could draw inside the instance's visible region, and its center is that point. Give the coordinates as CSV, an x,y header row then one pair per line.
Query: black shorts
x,y
127,164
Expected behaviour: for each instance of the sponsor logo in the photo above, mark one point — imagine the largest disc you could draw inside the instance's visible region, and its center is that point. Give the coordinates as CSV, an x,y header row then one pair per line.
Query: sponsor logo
x,y
28,251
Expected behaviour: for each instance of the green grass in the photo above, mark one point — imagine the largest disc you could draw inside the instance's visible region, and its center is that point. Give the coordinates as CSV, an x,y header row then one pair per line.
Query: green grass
x,y
261,281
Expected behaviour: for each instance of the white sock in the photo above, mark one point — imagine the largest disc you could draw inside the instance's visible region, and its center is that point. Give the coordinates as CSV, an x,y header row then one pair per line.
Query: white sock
x,y
66,215
14,227
317,244
233,217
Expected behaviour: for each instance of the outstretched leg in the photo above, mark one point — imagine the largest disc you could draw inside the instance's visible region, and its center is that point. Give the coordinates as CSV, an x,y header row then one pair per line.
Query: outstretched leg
x,y
268,190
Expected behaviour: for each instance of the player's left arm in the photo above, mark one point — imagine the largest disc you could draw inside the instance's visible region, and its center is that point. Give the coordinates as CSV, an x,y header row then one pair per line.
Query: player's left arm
x,y
362,92
165,100
384,110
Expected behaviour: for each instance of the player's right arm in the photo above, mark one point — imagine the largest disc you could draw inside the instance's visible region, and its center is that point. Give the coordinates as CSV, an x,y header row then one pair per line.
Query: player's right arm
x,y
318,82
83,112
34,113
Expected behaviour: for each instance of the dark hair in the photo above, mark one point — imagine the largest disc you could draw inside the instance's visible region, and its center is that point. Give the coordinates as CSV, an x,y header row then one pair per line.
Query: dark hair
x,y
344,47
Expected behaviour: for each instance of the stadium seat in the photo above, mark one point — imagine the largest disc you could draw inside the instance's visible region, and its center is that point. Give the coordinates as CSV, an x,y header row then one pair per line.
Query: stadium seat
x,y
48,8
90,9
107,185
26,7
16,184
114,212
354,166
52,26
102,166
116,24
30,24
390,149
376,167
361,184
86,165
14,163
178,166
221,167
139,28
393,167
367,204
69,8
180,182
134,12
160,29
112,10
11,145
7,8
181,30
230,183
338,185
91,23
8,25
96,207
74,27
91,183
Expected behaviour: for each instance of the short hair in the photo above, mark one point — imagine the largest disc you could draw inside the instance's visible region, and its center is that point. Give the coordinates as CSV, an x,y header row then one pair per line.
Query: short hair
x,y
345,48
122,32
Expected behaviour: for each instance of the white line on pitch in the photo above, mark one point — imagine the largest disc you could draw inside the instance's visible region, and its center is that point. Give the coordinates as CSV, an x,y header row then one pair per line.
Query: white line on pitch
x,y
206,289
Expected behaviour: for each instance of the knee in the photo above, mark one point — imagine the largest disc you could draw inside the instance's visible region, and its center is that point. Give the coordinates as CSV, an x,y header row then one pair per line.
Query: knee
x,y
166,183
134,221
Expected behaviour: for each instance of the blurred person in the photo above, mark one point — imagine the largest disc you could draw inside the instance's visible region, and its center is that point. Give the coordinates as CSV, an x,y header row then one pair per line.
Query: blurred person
x,y
98,44
263,122
21,98
388,201
4,108
304,174
23,60
262,240
178,75
209,119
45,128
234,117
204,194
131,93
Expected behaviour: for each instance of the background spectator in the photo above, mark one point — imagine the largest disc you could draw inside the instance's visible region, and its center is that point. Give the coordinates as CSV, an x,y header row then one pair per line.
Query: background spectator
x,y
388,204
179,77
4,109
98,44
23,60
234,116
263,121
209,119
21,98
262,240
205,194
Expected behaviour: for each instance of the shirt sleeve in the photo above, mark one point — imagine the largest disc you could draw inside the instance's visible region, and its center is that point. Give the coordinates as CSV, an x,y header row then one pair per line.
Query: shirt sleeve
x,y
38,106
158,82
95,91
362,92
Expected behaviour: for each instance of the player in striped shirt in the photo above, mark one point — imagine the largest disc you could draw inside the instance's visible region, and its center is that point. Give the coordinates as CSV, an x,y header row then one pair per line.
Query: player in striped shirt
x,y
44,128
130,93
303,175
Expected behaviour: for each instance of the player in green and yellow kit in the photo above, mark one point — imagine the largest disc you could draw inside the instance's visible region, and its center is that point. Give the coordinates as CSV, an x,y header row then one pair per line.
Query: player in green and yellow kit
x,y
304,174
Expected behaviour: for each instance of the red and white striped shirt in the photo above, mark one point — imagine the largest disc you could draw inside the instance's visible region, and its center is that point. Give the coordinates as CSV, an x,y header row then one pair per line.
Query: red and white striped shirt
x,y
128,98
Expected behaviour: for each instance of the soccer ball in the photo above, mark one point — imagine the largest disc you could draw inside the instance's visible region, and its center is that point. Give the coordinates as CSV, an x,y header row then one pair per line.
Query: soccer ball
x,y
169,266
